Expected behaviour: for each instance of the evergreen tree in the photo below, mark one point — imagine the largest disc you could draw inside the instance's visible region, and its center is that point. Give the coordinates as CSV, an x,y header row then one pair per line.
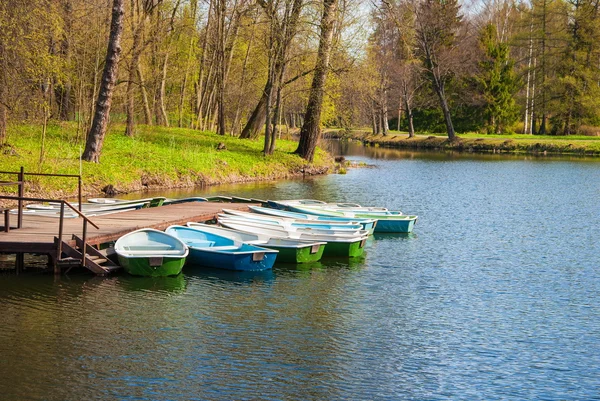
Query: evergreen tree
x,y
497,82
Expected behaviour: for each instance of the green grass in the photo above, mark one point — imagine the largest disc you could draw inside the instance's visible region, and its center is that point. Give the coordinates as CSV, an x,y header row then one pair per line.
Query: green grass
x,y
155,157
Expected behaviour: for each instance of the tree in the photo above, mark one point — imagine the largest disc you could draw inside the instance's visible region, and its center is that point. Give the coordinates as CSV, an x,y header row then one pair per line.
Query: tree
x,y
575,90
496,81
283,28
436,25
96,134
311,129
138,15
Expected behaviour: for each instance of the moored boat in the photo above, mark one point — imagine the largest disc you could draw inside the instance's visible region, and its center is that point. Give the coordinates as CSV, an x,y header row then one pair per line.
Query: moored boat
x,y
152,253
286,204
290,222
148,202
216,251
290,250
386,222
175,201
367,224
337,245
342,232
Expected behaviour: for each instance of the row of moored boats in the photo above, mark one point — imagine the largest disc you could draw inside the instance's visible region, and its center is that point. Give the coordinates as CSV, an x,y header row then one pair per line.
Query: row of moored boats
x,y
294,231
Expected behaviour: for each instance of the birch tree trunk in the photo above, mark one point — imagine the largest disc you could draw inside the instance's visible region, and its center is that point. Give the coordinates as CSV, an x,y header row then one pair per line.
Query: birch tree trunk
x,y
95,137
311,129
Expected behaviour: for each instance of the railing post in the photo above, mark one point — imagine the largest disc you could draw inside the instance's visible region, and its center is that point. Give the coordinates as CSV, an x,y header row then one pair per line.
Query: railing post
x,y
60,234
84,235
79,192
21,194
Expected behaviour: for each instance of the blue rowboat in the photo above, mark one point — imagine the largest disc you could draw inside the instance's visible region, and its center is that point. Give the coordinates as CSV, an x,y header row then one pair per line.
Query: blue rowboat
x,y
367,224
386,223
289,222
212,250
152,253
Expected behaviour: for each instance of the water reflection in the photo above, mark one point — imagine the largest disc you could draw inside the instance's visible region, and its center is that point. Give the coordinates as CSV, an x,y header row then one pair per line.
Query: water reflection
x,y
174,284
356,148
244,277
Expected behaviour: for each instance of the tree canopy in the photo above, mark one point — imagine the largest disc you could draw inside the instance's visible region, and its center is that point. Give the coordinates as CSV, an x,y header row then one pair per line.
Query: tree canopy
x,y
248,67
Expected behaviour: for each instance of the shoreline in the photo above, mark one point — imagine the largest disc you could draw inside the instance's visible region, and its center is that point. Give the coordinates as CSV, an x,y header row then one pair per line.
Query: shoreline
x,y
477,144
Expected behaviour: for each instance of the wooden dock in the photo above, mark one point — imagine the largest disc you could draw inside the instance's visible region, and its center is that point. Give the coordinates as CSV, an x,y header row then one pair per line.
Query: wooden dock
x,y
38,234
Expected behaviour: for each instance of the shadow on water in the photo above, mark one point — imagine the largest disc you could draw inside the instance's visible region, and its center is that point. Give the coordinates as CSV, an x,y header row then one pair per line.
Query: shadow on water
x,y
391,236
242,277
173,284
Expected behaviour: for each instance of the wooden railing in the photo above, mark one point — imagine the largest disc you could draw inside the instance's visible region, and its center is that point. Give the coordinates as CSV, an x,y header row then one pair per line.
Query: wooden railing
x,y
20,198
86,220
21,187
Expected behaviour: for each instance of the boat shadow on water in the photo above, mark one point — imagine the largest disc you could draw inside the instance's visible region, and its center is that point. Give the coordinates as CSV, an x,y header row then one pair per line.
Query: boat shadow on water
x,y
392,236
245,277
328,263
171,284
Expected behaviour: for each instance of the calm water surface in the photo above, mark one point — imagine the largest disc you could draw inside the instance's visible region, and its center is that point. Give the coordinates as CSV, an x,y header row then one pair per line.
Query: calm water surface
x,y
495,296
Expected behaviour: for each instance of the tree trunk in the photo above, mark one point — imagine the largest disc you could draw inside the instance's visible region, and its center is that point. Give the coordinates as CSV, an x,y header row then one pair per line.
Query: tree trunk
x,y
311,129
145,102
136,51
159,107
242,83
63,89
438,87
409,116
268,117
277,116
221,9
257,118
3,93
95,137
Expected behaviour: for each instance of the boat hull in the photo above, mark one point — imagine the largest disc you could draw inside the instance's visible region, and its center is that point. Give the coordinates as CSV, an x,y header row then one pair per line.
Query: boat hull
x,y
238,261
395,226
148,266
298,255
345,249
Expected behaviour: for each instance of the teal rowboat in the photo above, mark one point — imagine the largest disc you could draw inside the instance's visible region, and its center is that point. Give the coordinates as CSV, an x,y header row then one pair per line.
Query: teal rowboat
x,y
337,245
387,222
290,250
151,253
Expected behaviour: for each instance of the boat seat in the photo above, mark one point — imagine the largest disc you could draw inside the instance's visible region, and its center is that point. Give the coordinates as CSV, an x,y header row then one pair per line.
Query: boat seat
x,y
153,252
148,248
200,243
225,248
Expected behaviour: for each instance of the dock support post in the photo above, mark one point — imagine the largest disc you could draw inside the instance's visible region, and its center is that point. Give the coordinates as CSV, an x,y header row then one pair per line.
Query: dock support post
x,y
19,262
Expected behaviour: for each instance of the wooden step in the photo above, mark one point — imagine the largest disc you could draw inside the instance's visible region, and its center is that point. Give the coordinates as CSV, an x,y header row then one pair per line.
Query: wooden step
x,y
100,258
88,263
68,262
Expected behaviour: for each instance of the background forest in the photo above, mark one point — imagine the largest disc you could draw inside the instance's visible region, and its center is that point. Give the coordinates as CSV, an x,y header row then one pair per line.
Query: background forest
x,y
498,66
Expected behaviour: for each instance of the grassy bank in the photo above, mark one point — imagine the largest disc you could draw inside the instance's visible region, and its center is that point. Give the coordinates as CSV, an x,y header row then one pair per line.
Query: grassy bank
x,y
535,144
157,157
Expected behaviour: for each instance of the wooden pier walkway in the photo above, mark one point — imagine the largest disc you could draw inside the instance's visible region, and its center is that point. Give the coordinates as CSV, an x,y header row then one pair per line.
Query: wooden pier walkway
x,y
37,234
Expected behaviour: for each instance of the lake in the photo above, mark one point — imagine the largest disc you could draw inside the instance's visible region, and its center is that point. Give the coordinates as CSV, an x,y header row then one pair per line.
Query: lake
x,y
495,296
